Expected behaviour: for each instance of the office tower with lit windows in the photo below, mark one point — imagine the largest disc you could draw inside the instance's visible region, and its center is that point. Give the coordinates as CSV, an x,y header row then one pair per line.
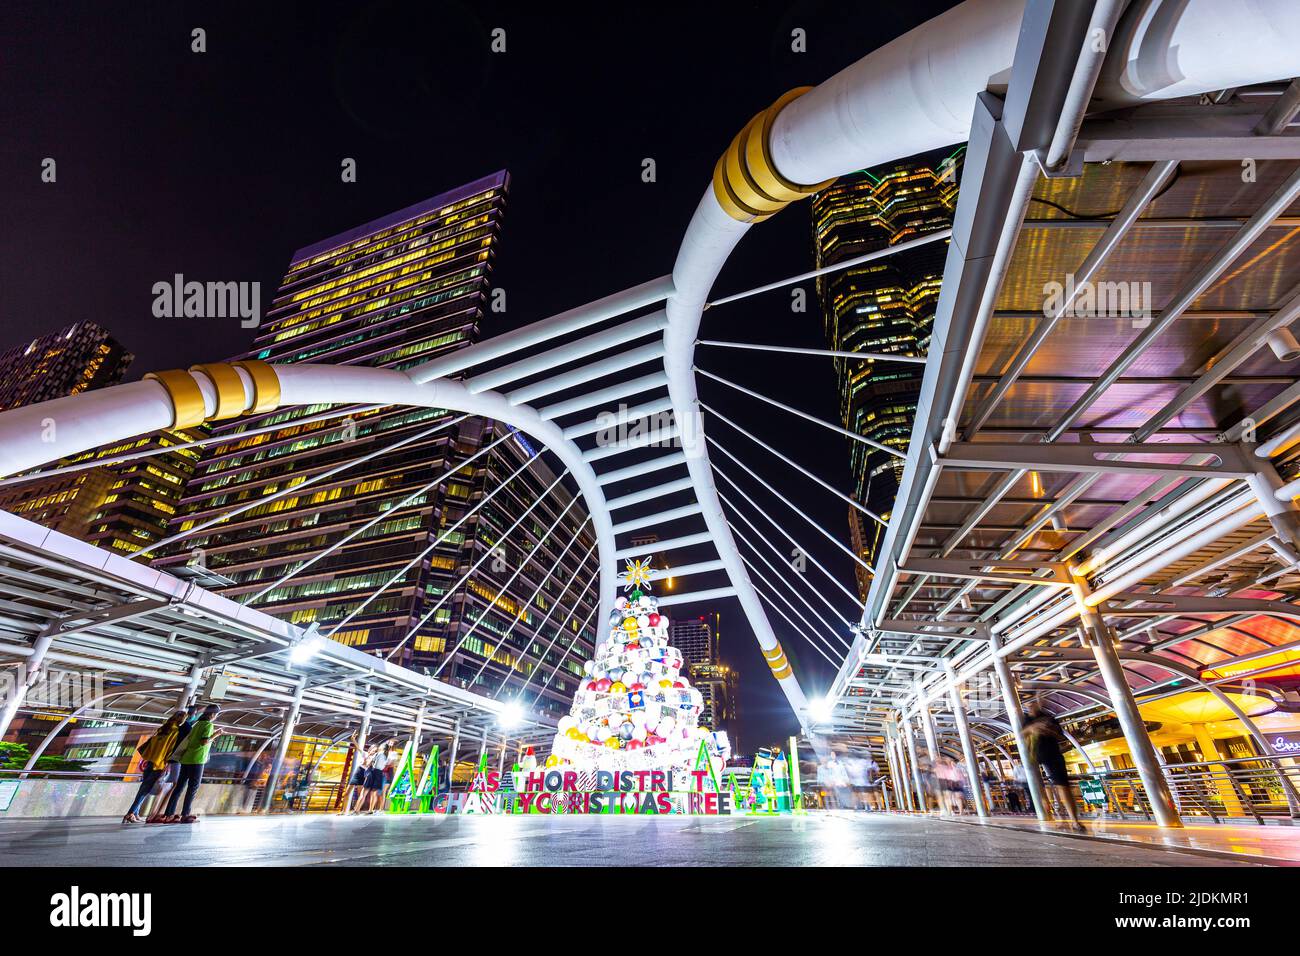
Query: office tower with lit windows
x,y
885,306
74,359
693,637
372,552
122,507
698,639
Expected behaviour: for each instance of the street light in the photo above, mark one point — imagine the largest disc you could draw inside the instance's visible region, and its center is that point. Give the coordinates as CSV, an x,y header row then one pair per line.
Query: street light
x,y
308,647
821,710
511,716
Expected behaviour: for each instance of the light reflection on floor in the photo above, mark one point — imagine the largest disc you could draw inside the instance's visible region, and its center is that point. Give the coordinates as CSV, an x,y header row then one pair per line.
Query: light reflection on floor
x,y
1273,842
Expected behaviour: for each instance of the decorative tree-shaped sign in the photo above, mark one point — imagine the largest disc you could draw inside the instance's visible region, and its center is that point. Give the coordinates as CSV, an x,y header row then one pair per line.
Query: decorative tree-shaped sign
x,y
635,709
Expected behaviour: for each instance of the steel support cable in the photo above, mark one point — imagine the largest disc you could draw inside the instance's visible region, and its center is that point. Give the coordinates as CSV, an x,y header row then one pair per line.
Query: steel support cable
x,y
838,266
827,353
538,590
541,658
305,483
486,554
537,631
785,501
796,466
794,610
380,517
572,644
505,588
843,620
812,418
197,443
437,541
802,550
479,563
795,627
795,591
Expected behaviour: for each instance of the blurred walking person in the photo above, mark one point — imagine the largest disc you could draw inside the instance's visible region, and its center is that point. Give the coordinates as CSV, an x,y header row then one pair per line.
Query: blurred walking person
x,y
856,769
875,789
1045,738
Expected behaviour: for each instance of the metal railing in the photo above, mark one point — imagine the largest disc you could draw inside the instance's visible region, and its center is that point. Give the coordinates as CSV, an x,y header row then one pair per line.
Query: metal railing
x,y
1241,788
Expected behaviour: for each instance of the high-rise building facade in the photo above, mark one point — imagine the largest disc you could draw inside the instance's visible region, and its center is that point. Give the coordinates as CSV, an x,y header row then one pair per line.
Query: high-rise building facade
x,y
375,550
124,506
885,306
74,359
698,639
693,636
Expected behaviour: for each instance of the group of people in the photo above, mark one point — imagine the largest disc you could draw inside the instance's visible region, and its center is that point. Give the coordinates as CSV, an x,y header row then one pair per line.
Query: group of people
x,y
853,782
371,779
171,765
173,758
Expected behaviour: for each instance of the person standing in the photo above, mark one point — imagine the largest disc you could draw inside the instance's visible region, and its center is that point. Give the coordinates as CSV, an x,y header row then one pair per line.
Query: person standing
x,y
153,761
194,751
375,782
357,783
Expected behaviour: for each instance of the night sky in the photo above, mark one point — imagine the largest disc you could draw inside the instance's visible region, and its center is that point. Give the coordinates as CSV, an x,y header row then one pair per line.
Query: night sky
x,y
219,165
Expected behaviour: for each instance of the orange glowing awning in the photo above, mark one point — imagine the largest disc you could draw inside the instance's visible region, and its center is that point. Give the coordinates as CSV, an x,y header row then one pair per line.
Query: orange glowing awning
x,y
1274,665
1200,706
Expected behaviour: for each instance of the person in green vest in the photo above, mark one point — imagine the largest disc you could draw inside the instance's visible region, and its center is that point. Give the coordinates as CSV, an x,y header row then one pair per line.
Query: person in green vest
x,y
192,752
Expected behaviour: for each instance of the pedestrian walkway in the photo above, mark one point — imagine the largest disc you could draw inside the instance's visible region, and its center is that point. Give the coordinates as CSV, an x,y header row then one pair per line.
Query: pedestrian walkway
x,y
834,838
1277,845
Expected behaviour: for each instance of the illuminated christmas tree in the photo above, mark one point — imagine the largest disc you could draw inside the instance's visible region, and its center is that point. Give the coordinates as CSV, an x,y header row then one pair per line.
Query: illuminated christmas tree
x,y
635,710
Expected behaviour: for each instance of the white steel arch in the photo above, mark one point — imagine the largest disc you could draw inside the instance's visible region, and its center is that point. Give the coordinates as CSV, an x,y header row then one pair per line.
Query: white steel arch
x,y
38,434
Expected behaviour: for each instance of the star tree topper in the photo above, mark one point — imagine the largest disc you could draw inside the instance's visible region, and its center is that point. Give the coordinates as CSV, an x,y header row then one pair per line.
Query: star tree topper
x,y
636,575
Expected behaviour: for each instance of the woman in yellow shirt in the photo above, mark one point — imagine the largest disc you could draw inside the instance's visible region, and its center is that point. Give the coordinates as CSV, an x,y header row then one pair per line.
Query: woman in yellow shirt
x,y
153,761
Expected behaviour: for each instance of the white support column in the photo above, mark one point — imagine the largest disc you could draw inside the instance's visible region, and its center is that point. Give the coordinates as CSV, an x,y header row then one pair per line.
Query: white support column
x,y
1011,701
282,750
418,731
909,738
895,774
927,726
455,749
191,687
967,745
29,671
902,788
1126,710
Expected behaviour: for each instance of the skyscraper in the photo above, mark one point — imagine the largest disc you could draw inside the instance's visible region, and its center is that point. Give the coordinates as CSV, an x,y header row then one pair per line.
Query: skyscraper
x,y
372,552
78,357
122,507
693,636
886,306
698,640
